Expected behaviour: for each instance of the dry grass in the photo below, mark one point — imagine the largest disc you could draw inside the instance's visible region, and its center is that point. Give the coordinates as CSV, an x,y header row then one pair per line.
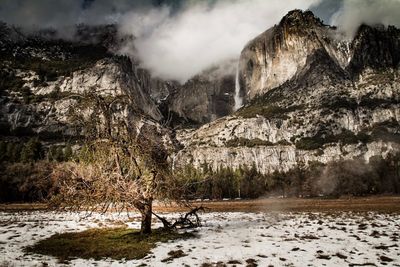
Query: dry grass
x,y
379,203
362,204
114,243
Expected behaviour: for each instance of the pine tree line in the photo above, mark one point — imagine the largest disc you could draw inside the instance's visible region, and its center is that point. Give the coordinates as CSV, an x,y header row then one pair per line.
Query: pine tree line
x,y
32,151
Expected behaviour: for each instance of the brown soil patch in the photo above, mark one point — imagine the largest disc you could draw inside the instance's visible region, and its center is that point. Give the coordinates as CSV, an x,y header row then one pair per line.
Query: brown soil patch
x,y
376,203
379,204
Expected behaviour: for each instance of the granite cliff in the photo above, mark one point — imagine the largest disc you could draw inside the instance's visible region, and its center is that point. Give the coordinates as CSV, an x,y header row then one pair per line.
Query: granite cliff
x,y
311,96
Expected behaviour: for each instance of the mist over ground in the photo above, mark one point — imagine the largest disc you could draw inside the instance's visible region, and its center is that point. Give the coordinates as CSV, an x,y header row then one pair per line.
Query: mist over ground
x,y
178,39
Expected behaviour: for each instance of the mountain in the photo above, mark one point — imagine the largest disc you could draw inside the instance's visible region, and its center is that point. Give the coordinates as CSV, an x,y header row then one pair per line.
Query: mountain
x,y
207,96
43,79
311,96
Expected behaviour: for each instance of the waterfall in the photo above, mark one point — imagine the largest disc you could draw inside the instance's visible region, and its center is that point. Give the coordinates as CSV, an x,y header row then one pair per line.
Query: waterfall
x,y
238,98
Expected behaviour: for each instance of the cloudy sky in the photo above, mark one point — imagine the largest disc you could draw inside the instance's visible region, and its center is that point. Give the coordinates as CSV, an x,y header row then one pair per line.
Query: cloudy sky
x,y
177,39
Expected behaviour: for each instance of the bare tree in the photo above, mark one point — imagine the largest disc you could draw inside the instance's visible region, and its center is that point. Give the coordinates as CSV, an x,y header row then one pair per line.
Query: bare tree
x,y
120,167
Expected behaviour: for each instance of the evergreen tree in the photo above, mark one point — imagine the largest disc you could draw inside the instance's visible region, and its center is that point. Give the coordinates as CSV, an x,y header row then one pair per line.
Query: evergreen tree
x,y
51,154
237,176
9,149
3,150
68,153
31,151
16,152
59,156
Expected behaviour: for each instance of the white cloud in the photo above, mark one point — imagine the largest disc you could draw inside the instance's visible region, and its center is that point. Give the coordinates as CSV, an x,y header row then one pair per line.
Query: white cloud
x,y
356,12
182,45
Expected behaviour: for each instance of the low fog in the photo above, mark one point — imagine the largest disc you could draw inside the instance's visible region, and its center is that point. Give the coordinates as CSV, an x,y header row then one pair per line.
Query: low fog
x,y
177,39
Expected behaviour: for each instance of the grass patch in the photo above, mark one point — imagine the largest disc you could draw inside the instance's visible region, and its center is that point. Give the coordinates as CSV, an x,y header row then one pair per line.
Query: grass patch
x,y
114,243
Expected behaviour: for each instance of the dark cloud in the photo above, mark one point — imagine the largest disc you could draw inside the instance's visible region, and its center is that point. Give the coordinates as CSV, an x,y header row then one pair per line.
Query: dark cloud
x,y
87,3
326,9
60,13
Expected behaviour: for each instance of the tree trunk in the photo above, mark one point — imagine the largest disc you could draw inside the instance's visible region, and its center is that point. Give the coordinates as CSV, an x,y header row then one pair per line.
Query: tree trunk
x,y
146,212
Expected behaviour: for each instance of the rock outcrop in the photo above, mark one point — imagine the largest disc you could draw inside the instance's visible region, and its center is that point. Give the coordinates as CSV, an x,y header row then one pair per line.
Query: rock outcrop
x,y
43,80
52,89
207,96
311,96
278,54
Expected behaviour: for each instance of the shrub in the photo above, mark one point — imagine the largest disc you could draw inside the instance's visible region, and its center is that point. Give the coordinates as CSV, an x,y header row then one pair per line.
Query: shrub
x,y
341,103
385,131
284,143
346,137
9,81
373,103
310,143
240,142
267,111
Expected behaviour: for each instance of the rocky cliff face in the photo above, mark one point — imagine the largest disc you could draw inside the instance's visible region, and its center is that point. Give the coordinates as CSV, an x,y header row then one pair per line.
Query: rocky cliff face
x,y
62,92
278,54
311,96
207,96
43,81
282,52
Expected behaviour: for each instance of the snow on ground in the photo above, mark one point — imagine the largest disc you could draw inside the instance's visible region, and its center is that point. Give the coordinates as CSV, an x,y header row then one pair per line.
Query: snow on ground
x,y
265,239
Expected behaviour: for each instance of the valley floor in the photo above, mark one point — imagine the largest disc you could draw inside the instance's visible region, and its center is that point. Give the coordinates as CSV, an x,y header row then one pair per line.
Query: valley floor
x,y
332,234
372,203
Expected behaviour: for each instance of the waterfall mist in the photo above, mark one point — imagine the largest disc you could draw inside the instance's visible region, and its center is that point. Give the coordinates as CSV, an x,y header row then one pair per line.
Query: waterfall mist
x,y
238,97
